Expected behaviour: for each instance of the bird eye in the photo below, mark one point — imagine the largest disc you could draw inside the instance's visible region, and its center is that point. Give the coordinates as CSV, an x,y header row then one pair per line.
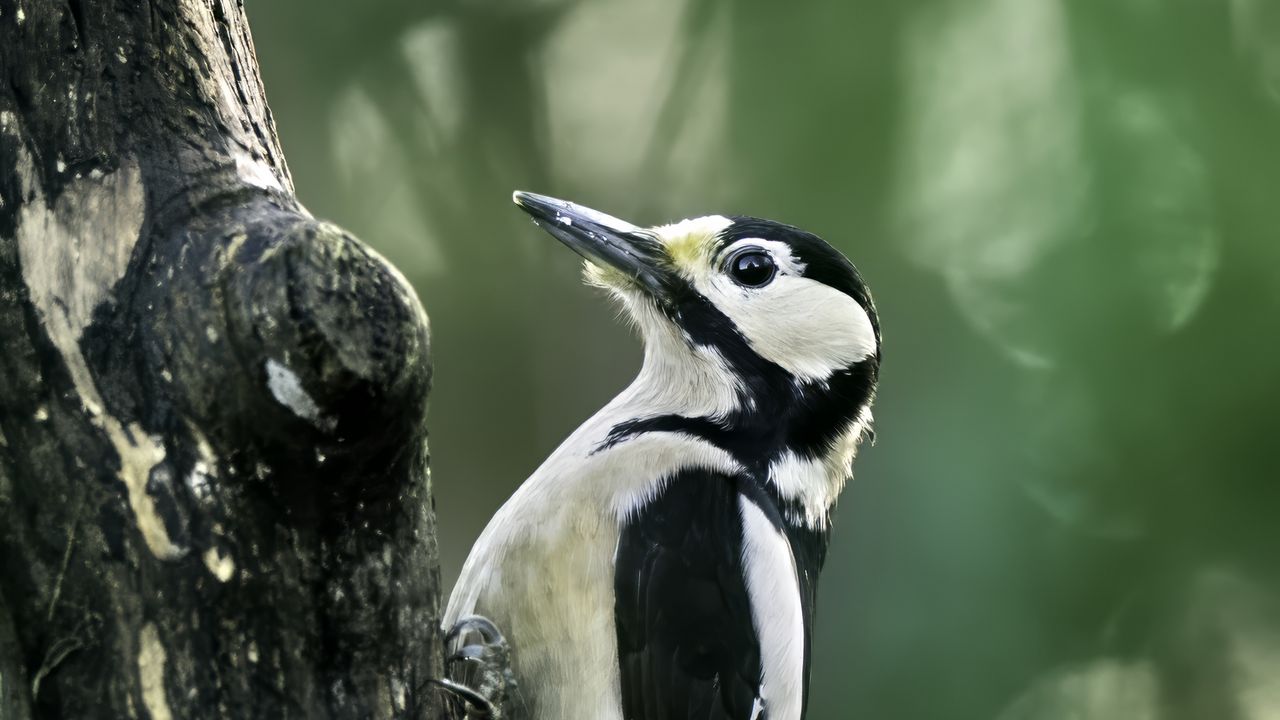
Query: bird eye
x,y
752,268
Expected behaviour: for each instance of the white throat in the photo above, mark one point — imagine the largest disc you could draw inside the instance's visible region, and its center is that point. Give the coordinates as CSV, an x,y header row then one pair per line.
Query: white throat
x,y
675,377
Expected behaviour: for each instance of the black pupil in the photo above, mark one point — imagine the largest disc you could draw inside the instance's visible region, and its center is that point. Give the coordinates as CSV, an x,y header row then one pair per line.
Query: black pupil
x,y
753,268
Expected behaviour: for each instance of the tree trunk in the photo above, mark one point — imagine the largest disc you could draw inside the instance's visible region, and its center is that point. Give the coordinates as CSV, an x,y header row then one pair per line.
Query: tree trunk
x,y
214,496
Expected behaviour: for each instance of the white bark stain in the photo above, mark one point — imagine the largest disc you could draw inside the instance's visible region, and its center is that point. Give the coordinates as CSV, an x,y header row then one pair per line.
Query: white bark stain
x,y
256,172
287,389
151,659
221,566
73,252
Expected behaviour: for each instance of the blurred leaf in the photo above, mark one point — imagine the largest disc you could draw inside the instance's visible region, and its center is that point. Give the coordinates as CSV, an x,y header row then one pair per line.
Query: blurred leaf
x,y
1100,690
993,176
1073,472
1059,207
1223,649
369,159
1256,25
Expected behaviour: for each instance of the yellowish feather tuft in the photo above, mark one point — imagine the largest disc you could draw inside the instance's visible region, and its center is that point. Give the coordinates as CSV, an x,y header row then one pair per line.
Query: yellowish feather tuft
x,y
691,243
605,277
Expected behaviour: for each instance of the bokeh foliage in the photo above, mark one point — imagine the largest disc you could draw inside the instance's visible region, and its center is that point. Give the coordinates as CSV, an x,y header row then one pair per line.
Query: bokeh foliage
x,y
1067,211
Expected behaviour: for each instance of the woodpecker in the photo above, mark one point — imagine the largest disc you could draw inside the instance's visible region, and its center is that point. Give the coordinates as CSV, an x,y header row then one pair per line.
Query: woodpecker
x,y
662,563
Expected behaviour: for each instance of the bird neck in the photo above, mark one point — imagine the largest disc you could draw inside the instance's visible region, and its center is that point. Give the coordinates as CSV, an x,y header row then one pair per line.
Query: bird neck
x,y
748,407
676,379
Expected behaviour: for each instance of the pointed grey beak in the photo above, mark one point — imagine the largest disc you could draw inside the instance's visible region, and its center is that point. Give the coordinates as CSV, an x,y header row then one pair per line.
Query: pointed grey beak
x,y
602,239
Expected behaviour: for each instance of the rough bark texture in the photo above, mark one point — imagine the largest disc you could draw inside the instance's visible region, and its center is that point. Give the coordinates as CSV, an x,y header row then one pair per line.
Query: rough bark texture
x,y
214,496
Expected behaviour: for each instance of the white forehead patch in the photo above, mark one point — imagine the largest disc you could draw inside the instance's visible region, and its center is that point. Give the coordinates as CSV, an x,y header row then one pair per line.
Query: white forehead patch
x,y
690,243
706,227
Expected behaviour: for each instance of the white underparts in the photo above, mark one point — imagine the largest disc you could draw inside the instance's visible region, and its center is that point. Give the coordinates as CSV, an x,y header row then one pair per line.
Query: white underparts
x,y
543,568
777,614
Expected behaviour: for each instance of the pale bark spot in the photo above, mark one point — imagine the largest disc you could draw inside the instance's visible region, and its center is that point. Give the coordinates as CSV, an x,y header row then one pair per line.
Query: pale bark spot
x,y
73,252
151,659
256,172
287,389
222,566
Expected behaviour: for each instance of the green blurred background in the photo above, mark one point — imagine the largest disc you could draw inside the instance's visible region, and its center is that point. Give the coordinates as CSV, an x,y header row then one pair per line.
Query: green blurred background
x,y
1067,212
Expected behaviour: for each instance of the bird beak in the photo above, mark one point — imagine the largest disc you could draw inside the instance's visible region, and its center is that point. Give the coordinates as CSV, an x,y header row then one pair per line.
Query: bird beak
x,y
602,239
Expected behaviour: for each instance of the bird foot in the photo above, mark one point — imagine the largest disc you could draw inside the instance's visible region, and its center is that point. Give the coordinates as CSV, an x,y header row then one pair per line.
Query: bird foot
x,y
478,678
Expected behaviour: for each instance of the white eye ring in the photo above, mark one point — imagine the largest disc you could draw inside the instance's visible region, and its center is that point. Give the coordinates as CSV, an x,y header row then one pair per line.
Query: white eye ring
x,y
751,267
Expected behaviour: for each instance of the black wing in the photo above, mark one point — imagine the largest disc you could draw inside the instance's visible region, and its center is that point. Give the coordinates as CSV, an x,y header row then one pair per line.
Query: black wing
x,y
687,647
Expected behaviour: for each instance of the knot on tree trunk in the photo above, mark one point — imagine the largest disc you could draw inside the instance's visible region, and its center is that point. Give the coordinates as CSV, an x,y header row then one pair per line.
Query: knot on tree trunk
x,y
291,339
214,495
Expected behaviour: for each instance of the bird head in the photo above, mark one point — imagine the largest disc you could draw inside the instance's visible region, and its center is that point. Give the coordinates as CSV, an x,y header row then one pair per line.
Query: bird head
x,y
785,316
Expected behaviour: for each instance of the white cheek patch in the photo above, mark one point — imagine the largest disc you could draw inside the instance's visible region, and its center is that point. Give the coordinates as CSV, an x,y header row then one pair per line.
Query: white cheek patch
x,y
807,328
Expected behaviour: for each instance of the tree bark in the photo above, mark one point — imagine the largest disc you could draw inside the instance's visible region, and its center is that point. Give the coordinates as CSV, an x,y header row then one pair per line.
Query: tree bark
x,y
214,494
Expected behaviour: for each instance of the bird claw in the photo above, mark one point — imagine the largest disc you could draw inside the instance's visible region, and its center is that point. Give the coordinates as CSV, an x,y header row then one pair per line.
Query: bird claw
x,y
467,702
470,653
489,632
478,675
